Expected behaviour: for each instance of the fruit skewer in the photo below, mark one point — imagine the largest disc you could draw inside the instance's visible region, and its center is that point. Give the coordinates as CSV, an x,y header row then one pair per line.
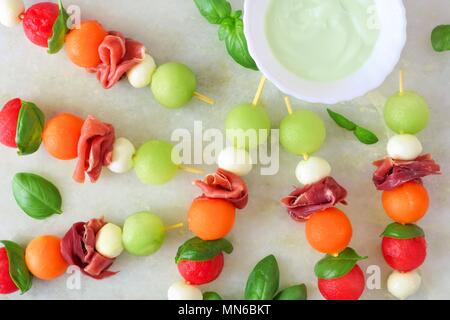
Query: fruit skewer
x,y
109,55
91,246
211,216
67,136
328,229
405,199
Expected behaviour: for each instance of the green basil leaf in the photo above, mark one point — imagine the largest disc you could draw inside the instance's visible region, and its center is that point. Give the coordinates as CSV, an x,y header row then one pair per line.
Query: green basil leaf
x,y
214,10
263,282
297,292
30,124
440,38
36,196
400,231
331,267
237,14
232,32
226,28
342,121
365,136
211,296
56,41
197,249
18,270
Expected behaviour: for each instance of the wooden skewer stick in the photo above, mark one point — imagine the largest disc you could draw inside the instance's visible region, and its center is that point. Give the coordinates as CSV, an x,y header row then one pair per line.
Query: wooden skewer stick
x,y
190,169
258,94
288,104
204,98
174,226
402,82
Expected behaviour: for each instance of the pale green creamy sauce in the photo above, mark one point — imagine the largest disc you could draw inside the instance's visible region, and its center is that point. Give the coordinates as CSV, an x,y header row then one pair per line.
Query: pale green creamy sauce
x,y
322,40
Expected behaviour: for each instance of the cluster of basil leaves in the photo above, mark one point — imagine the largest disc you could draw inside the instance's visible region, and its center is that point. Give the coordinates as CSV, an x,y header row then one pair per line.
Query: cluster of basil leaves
x,y
263,284
362,134
231,29
264,281
440,38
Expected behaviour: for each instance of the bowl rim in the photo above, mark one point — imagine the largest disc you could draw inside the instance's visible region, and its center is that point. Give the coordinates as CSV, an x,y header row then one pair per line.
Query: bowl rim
x,y
385,56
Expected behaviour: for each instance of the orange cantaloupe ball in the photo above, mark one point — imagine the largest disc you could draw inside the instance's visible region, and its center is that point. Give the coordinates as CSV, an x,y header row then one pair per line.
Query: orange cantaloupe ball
x,y
82,44
43,257
211,219
329,231
407,203
61,135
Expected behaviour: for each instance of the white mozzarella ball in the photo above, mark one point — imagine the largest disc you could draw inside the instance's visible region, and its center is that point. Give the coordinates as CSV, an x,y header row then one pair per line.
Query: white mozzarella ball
x,y
122,156
237,161
109,241
404,147
140,75
312,170
403,284
183,291
10,10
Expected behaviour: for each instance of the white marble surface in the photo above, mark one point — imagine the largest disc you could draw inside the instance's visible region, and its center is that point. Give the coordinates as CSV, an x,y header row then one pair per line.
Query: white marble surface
x,y
174,30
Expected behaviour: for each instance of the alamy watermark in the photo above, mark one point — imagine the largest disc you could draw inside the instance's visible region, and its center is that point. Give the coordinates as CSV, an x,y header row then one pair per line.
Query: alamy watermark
x,y
74,20
202,146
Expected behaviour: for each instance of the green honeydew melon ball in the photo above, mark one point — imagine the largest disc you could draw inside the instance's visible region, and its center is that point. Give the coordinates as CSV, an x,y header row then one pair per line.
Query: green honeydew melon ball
x,y
143,234
406,112
248,120
302,132
153,162
173,85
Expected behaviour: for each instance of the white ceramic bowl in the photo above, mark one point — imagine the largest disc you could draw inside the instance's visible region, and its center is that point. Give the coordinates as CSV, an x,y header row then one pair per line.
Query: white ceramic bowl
x,y
385,56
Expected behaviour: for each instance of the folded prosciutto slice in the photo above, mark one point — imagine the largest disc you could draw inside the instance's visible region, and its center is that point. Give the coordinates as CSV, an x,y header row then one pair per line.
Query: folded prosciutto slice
x,y
94,149
78,248
303,202
118,55
391,173
225,185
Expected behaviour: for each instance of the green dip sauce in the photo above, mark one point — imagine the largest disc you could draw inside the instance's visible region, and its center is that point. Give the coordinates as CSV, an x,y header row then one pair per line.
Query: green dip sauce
x,y
322,40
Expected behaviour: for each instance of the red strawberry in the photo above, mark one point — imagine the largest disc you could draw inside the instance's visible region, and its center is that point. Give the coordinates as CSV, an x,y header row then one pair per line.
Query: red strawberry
x,y
8,122
348,287
200,261
38,22
404,247
201,272
6,283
